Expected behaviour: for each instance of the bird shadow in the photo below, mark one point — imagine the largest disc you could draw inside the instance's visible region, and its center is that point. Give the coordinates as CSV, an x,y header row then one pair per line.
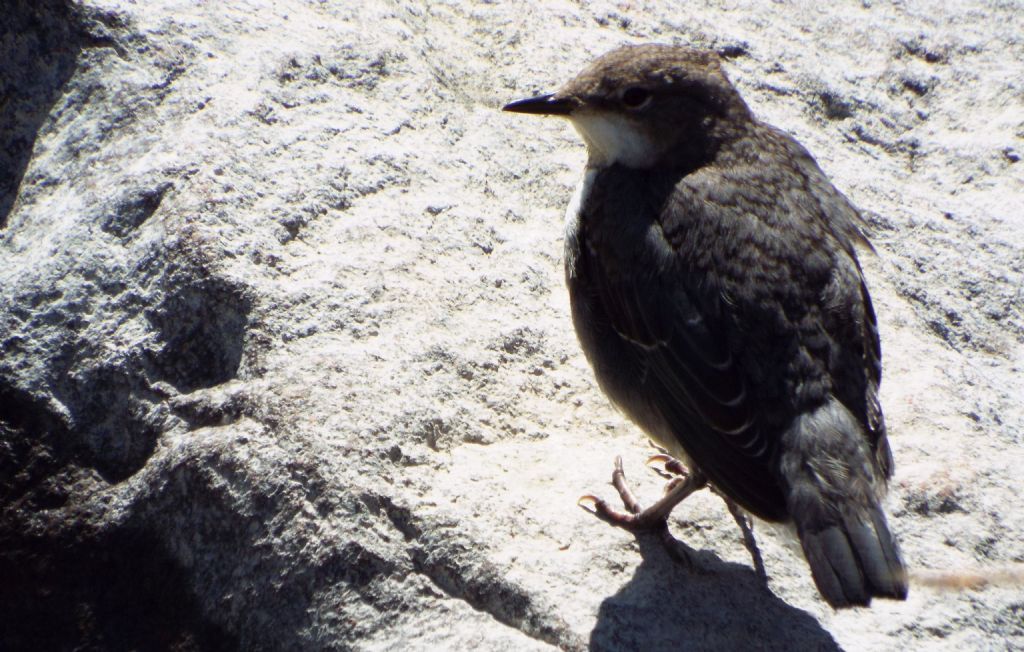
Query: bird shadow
x,y
708,604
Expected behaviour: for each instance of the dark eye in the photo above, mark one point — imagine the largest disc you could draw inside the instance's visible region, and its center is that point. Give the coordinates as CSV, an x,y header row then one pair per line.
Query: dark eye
x,y
635,96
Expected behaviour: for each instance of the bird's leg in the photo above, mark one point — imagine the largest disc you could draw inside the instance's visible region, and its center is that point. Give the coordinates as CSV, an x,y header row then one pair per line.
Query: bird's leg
x,y
748,536
674,466
653,517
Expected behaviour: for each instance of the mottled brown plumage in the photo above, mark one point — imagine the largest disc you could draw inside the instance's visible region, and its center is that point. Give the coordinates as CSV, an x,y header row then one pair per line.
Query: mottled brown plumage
x,y
716,292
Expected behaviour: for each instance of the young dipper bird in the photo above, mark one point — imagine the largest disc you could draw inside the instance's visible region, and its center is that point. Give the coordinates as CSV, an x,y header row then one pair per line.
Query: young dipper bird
x,y
716,293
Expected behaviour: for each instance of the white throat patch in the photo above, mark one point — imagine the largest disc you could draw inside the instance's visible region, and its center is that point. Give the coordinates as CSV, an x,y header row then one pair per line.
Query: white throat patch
x,y
611,138
579,199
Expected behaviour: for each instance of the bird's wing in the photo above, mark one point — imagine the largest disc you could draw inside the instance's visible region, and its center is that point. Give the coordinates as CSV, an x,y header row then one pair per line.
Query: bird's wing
x,y
849,321
694,381
858,389
682,333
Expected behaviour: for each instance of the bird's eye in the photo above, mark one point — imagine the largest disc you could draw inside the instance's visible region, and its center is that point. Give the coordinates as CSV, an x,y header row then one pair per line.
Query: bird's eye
x,y
635,97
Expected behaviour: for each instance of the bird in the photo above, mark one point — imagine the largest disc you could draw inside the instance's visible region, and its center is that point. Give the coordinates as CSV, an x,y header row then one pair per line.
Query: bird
x,y
716,292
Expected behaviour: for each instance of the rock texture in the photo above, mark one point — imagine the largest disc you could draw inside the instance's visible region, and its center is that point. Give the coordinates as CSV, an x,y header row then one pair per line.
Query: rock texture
x,y
285,356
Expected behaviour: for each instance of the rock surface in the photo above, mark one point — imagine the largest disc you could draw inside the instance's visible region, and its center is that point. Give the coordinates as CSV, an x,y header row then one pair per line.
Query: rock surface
x,y
285,355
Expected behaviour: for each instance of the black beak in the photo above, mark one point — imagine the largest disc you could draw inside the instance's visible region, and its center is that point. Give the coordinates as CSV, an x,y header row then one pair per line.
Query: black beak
x,y
541,105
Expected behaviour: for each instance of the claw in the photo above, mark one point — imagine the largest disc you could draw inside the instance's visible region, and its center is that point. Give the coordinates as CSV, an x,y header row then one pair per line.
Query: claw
x,y
660,457
672,468
593,500
618,465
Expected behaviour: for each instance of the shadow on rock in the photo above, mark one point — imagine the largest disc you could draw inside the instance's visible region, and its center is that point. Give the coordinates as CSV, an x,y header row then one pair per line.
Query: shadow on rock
x,y
714,605
116,591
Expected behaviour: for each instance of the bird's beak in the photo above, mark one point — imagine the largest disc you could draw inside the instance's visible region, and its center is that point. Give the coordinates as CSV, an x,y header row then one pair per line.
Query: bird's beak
x,y
541,105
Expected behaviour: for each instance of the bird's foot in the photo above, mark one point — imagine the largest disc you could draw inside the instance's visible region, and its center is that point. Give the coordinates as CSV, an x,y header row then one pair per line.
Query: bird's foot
x,y
682,483
638,518
655,517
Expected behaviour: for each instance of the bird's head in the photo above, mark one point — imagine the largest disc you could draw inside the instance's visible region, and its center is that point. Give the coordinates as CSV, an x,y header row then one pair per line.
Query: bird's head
x,y
637,105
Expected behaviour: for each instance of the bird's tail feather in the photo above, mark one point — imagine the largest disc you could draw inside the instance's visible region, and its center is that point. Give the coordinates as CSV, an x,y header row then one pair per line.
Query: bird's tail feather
x,y
854,560
833,491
